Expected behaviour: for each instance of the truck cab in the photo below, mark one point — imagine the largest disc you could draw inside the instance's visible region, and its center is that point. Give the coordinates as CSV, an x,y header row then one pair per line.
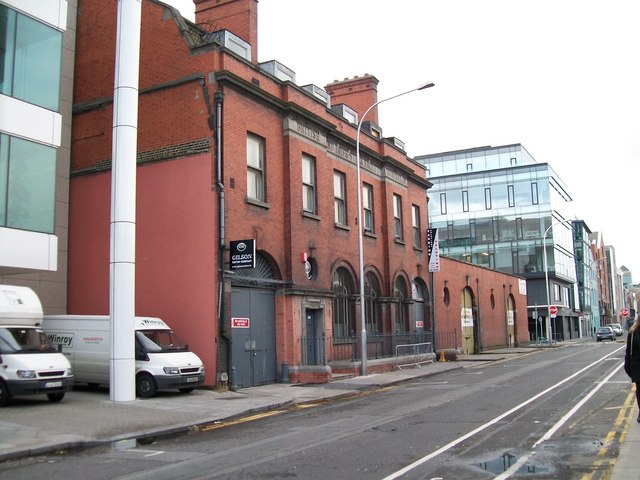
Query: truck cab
x,y
29,363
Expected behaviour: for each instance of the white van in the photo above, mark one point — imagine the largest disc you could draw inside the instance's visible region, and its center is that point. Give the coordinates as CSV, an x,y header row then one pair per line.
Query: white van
x,y
29,364
163,362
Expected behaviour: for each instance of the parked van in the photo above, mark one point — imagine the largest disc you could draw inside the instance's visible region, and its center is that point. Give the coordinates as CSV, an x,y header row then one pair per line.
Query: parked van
x,y
29,364
163,362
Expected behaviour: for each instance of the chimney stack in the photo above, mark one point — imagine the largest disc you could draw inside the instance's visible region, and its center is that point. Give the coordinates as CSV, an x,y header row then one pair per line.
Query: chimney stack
x,y
240,17
359,93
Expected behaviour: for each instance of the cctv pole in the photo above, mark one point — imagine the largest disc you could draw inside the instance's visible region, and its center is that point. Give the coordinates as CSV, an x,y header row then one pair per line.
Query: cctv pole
x,y
123,202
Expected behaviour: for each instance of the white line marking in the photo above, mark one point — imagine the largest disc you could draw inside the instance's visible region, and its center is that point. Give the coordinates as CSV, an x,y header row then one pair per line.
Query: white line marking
x,y
159,452
464,437
575,408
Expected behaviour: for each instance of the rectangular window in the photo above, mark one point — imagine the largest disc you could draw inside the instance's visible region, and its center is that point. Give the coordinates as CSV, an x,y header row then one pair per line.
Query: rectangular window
x,y
309,184
443,203
534,193
469,167
30,59
255,168
465,201
415,221
367,205
487,198
556,292
27,185
397,216
510,194
339,198
496,228
519,234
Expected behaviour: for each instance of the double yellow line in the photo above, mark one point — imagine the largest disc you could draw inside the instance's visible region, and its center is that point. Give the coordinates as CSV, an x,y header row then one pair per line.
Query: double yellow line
x,y
602,468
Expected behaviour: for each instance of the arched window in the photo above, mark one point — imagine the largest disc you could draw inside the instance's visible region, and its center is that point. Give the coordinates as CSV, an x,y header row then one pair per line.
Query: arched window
x,y
402,307
421,305
372,307
260,276
343,305
446,296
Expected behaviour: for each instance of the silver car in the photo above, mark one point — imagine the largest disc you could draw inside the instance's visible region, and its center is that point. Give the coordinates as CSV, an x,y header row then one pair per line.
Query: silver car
x,y
617,329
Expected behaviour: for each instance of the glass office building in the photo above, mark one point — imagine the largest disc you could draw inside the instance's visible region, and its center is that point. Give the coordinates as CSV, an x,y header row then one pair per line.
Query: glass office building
x,y
30,132
498,208
36,93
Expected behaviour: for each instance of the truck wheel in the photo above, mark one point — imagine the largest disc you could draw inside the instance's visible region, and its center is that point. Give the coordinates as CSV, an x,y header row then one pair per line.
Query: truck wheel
x,y
4,394
145,386
186,390
55,397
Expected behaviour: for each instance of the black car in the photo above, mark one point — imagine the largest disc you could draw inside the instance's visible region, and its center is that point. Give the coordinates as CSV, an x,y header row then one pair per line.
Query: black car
x,y
605,333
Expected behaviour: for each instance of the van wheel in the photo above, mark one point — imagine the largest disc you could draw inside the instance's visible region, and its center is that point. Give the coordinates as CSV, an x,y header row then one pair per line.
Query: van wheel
x,y
186,390
55,397
145,386
4,394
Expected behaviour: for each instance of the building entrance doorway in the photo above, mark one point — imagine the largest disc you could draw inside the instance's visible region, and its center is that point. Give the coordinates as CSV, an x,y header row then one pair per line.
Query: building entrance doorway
x,y
253,327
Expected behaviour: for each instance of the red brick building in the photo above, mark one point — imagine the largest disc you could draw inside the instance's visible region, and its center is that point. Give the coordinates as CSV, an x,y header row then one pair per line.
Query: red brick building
x,y
231,152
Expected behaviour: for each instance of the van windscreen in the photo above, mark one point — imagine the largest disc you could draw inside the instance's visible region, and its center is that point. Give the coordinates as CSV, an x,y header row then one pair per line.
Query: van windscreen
x,y
24,340
156,341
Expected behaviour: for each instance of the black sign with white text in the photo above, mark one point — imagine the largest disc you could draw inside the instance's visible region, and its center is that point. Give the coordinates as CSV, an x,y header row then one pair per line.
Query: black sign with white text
x,y
243,254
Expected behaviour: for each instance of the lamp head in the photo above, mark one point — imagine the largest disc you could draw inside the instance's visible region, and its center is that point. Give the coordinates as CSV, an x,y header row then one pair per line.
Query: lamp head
x,y
426,85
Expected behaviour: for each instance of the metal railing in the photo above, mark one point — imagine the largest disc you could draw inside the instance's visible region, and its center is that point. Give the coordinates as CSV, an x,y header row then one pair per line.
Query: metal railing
x,y
318,349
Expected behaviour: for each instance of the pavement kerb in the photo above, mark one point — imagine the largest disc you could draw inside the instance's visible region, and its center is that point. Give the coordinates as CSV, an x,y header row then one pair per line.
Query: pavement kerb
x,y
365,389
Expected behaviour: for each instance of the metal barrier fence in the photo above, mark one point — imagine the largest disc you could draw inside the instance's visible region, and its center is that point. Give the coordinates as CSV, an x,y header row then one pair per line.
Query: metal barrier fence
x,y
414,355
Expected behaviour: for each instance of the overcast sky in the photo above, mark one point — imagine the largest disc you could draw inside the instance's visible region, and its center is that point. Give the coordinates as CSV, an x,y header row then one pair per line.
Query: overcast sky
x,y
561,77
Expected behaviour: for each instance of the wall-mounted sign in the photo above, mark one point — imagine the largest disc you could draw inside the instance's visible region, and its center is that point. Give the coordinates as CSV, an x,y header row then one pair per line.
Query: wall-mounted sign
x,y
466,315
243,254
433,249
238,322
308,269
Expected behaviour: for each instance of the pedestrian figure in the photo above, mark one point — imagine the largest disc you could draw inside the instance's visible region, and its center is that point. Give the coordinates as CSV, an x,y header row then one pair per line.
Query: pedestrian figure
x,y
632,358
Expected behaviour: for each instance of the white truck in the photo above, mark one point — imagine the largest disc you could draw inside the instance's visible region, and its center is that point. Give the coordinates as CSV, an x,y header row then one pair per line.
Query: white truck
x,y
162,360
29,363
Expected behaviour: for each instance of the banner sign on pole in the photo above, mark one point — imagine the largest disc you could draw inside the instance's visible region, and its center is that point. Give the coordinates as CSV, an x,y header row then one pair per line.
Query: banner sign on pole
x,y
433,249
243,254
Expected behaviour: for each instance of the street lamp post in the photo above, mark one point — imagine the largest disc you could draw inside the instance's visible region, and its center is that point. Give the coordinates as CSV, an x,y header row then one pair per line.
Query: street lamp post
x,y
363,331
546,276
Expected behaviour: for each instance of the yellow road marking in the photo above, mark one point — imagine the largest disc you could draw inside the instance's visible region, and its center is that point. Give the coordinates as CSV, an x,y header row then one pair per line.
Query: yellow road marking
x,y
602,469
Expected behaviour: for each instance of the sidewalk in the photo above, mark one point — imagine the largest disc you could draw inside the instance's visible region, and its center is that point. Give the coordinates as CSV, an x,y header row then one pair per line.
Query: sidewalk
x,y
34,426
